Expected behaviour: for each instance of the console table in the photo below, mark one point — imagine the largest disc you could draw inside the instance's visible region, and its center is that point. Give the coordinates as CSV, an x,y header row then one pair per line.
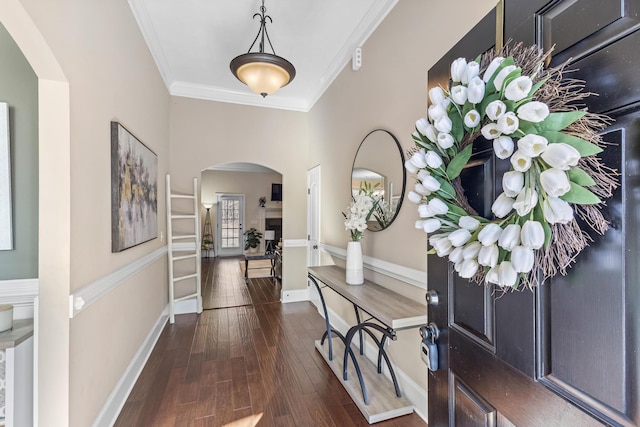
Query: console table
x,y
377,398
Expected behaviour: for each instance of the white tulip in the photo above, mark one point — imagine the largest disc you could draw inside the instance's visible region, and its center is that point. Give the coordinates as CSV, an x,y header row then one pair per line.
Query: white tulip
x,y
490,131
520,161
510,237
534,111
472,119
459,237
409,166
495,109
420,189
526,201
472,71
437,95
503,147
489,234
488,255
532,235
492,275
475,90
431,184
436,111
499,80
561,156
414,197
507,276
468,268
456,256
491,69
421,125
458,69
518,88
432,224
532,145
418,159
512,183
522,259
422,174
469,223
438,207
419,223
502,205
471,250
443,124
459,94
508,123
555,182
556,211
442,246
424,211
433,159
445,140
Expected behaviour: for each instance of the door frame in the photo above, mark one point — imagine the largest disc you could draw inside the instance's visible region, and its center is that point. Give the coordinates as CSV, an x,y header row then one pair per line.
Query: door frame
x,y
219,251
313,226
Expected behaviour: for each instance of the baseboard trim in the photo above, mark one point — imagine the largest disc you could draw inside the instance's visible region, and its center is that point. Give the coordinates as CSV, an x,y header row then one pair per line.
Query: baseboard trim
x,y
295,295
295,243
410,389
116,400
89,294
408,275
21,294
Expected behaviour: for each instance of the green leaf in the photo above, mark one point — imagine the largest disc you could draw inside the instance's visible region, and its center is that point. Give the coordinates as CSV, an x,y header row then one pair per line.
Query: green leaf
x,y
485,102
580,196
559,121
422,141
458,162
446,190
457,125
527,127
585,148
537,86
580,177
547,233
507,61
455,209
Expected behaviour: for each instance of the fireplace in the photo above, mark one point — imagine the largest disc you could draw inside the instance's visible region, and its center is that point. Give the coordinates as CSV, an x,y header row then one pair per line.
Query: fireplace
x,y
274,224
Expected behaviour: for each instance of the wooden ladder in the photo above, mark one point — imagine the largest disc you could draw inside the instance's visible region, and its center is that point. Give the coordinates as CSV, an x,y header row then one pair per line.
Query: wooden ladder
x,y
183,247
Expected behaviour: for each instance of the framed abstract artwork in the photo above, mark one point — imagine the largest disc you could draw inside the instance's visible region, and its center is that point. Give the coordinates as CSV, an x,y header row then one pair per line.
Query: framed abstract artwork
x,y
134,190
6,217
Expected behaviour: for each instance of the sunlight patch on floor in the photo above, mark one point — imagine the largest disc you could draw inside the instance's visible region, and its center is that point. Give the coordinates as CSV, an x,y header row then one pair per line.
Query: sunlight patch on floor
x,y
250,421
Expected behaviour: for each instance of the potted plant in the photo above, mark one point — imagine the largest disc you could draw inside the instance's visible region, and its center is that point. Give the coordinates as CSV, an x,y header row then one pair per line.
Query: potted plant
x,y
252,239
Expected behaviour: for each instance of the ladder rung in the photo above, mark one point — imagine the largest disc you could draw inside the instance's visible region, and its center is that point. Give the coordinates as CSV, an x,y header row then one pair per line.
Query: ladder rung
x,y
177,258
188,276
194,295
182,196
183,236
182,216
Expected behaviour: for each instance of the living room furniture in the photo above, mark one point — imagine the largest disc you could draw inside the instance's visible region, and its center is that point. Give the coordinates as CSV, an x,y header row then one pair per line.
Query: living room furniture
x,y
387,311
248,258
16,373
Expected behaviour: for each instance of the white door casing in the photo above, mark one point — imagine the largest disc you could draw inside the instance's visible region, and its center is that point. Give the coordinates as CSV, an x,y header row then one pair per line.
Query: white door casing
x,y
313,226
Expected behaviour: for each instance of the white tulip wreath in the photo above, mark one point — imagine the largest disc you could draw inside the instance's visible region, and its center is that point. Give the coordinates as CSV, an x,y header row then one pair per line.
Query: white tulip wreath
x,y
533,116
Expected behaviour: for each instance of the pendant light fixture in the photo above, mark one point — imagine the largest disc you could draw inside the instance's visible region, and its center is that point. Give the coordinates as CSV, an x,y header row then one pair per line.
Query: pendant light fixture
x,y
263,72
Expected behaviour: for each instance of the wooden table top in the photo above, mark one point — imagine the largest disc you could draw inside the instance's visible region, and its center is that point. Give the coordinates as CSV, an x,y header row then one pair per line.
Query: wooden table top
x,y
389,307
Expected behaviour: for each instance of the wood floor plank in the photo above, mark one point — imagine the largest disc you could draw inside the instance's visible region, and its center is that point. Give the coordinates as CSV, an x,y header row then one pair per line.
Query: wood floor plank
x,y
252,363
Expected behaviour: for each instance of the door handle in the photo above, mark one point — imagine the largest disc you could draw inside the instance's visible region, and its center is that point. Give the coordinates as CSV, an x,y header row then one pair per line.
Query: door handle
x,y
432,297
315,246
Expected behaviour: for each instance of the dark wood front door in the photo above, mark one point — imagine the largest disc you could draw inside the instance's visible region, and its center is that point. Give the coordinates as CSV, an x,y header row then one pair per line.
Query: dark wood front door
x,y
567,354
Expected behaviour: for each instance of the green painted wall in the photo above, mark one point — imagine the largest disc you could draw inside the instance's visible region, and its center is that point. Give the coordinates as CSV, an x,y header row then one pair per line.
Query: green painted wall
x,y
19,88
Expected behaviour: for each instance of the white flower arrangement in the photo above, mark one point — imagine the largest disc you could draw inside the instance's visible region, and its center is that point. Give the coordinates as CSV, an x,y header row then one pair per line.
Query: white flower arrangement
x,y
364,205
554,171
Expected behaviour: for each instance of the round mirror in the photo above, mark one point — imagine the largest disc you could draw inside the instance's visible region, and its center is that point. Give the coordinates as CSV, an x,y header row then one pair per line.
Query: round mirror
x,y
378,169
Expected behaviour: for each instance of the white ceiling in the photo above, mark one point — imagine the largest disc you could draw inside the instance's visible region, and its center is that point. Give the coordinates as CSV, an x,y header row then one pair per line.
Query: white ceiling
x,y
193,41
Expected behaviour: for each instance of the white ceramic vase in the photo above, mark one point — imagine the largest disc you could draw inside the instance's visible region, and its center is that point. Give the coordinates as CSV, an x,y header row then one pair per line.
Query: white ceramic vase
x,y
354,264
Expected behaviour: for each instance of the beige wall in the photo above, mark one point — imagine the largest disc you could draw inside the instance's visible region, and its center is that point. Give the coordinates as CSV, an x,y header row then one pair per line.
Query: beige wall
x,y
111,76
388,92
205,134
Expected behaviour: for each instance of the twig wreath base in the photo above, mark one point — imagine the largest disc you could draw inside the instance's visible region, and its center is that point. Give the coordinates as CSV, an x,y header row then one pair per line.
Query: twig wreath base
x,y
536,118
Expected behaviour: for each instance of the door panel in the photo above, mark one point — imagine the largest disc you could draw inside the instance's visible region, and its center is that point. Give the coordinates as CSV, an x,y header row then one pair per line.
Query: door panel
x,y
568,353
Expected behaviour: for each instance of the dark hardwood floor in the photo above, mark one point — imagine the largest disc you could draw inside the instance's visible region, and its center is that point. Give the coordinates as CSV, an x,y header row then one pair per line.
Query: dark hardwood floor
x,y
246,365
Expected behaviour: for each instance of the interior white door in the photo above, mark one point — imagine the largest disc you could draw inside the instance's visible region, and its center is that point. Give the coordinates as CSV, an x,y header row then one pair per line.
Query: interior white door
x,y
229,224
313,226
